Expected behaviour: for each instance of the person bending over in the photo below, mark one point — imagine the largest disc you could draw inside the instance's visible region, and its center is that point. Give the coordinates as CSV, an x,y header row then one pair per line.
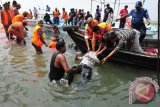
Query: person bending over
x,y
130,36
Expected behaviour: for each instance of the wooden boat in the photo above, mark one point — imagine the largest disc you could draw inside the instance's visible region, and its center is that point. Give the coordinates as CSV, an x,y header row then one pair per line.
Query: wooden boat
x,y
122,56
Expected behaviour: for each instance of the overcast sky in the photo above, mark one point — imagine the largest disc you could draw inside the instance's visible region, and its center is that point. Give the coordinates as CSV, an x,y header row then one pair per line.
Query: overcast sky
x,y
151,5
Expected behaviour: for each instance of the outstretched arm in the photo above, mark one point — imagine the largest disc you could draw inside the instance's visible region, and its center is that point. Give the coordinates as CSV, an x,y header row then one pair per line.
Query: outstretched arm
x,y
107,57
125,16
99,48
104,48
87,43
93,42
64,64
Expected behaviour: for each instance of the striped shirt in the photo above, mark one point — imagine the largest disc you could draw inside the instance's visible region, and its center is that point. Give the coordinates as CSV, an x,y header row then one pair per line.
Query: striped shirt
x,y
124,36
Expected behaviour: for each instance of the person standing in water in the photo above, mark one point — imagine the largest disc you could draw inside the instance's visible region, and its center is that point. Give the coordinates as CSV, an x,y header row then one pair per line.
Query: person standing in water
x,y
59,65
6,18
37,39
17,30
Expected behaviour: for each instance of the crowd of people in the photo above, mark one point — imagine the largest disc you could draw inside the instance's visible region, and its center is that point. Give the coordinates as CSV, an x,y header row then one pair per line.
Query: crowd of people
x,y
99,32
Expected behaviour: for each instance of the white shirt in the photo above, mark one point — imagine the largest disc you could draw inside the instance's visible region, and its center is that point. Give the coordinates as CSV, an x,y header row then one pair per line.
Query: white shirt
x,y
88,61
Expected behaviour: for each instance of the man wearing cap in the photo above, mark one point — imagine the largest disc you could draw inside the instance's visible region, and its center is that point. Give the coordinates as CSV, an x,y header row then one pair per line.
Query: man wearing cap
x,y
88,31
137,19
17,30
59,65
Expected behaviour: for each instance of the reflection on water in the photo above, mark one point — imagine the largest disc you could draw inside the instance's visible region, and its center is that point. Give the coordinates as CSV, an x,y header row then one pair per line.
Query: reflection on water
x,y
24,80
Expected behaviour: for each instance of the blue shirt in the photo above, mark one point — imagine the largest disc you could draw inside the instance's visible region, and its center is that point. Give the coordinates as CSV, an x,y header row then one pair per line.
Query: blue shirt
x,y
137,17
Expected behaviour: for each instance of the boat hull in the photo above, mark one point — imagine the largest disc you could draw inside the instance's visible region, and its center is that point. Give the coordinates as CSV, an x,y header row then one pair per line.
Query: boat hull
x,y
122,56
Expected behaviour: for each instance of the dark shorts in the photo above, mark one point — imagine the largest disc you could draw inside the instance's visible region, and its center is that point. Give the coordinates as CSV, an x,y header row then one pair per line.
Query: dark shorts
x,y
37,48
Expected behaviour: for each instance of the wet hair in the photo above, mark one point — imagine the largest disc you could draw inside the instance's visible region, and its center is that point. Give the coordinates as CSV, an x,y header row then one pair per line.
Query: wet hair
x,y
96,29
60,44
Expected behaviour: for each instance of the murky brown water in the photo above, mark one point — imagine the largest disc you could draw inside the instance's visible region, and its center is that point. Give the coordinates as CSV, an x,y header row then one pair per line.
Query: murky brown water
x,y
24,80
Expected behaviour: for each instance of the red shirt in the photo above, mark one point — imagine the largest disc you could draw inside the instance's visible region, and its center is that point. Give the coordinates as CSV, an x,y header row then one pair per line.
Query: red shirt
x,y
123,12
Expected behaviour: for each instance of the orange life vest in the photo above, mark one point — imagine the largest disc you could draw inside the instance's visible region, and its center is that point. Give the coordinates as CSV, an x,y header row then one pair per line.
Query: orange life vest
x,y
104,29
36,38
52,45
6,18
65,15
18,18
56,13
89,29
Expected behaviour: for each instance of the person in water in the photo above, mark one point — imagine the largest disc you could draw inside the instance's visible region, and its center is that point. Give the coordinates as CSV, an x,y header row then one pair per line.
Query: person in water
x,y
53,43
86,66
17,30
37,39
55,29
59,65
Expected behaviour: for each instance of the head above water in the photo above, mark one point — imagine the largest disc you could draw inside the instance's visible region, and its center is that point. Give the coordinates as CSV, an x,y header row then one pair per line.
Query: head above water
x,y
54,38
40,23
25,14
60,46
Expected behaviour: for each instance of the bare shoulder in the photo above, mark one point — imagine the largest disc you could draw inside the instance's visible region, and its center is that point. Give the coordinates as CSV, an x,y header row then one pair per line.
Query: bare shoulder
x,y
61,56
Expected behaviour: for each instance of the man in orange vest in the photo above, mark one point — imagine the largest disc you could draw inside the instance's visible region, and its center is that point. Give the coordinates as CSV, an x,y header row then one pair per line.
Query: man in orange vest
x,y
56,16
98,34
88,31
65,16
37,39
17,30
20,17
6,18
